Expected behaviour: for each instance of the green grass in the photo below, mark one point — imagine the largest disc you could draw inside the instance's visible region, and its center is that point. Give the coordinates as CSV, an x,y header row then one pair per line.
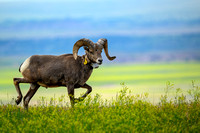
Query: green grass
x,y
150,101
147,73
105,80
125,113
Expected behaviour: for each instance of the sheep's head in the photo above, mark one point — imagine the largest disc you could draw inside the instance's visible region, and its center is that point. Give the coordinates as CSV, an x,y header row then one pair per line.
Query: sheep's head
x,y
93,50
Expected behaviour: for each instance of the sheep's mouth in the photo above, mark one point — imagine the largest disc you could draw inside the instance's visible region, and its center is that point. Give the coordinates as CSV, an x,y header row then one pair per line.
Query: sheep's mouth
x,y
95,65
99,63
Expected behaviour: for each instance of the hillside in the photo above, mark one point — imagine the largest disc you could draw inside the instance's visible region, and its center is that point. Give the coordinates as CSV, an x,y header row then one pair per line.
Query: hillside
x,y
126,48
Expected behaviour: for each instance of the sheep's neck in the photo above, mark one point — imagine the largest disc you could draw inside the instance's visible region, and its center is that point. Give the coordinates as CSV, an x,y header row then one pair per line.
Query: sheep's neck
x,y
86,61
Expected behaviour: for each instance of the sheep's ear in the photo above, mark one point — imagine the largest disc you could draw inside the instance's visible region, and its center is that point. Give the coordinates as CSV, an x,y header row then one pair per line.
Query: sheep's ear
x,y
86,48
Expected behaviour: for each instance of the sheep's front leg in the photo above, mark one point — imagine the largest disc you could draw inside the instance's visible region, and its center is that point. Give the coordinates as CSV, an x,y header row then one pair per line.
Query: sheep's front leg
x,y
89,90
70,89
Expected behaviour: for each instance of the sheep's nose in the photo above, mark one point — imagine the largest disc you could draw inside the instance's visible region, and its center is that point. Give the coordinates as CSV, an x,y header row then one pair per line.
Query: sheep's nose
x,y
100,61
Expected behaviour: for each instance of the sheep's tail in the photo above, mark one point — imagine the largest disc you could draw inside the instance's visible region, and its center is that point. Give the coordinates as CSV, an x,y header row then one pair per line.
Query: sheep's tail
x,y
20,67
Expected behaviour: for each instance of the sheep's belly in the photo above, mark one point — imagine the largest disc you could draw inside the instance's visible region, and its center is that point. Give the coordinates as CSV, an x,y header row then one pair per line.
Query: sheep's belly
x,y
45,85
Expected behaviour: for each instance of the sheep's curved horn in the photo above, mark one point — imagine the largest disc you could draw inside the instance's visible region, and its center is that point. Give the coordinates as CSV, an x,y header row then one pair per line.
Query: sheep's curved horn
x,y
104,43
80,43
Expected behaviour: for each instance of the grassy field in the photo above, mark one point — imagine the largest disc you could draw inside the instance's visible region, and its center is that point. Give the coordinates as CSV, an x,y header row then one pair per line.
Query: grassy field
x,y
126,113
106,80
125,98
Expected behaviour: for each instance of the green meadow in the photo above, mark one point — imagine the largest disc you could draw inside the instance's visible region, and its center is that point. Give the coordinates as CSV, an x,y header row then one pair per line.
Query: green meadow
x,y
127,112
150,78
154,97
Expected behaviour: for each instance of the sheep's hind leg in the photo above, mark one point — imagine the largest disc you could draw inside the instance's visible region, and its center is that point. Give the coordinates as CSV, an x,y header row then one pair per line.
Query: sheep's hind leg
x,y
16,83
33,88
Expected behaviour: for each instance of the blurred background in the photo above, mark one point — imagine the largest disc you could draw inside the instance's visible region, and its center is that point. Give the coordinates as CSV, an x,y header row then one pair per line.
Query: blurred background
x,y
154,41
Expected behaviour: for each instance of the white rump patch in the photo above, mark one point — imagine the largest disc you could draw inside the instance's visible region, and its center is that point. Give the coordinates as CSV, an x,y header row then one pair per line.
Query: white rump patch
x,y
25,65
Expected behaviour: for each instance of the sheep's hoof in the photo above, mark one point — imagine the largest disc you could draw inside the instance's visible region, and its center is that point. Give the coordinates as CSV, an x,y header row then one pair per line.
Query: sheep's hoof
x,y
76,100
26,107
18,100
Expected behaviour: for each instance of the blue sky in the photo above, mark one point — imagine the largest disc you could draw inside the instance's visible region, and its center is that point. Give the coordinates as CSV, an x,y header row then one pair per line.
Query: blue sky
x,y
98,9
55,19
61,18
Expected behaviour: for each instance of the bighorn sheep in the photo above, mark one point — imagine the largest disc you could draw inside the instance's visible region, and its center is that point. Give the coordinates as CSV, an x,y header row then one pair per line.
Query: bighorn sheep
x,y
69,70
